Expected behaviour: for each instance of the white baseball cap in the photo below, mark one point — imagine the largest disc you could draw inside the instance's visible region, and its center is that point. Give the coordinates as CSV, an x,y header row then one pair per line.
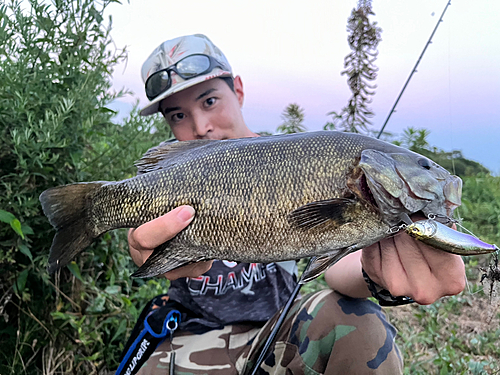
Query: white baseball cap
x,y
170,53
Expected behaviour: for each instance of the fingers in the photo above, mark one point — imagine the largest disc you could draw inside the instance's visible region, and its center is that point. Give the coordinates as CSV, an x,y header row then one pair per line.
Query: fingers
x,y
406,266
382,263
407,272
446,272
431,273
144,239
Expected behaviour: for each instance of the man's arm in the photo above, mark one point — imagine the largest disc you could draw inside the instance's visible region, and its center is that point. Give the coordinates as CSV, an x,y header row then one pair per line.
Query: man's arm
x,y
144,239
402,265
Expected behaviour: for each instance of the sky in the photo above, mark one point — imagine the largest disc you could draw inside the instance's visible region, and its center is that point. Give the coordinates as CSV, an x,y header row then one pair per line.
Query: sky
x,y
289,52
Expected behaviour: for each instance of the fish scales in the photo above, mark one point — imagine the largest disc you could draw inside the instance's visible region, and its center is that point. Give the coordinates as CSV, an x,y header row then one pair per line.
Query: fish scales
x,y
244,192
256,197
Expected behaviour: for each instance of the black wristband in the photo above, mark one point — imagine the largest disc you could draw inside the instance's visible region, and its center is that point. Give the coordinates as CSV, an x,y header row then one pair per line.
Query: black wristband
x,y
383,296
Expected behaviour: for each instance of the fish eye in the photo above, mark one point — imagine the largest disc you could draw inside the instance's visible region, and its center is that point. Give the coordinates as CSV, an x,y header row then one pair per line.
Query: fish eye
x,y
424,163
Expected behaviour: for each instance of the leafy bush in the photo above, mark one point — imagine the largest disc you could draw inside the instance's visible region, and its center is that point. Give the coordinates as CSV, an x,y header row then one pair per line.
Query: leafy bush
x,y
56,61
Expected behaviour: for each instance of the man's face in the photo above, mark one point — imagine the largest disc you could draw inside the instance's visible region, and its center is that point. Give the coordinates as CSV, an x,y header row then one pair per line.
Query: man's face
x,y
208,110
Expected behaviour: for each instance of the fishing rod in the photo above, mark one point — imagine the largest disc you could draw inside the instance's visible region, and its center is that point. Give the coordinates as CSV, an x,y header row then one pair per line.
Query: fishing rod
x,y
429,41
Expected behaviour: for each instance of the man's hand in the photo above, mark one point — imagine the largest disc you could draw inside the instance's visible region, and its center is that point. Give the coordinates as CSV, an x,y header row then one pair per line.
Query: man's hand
x,y
144,239
408,267
404,266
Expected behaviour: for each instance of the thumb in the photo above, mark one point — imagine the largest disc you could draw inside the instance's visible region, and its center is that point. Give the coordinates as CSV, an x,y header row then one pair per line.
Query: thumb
x,y
158,231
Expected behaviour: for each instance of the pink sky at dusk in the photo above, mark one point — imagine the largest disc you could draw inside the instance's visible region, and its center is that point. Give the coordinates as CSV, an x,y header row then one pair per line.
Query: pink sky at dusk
x,y
287,52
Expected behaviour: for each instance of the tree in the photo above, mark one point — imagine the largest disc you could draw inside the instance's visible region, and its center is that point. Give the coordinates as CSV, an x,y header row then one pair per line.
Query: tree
x,y
293,118
363,40
56,61
417,140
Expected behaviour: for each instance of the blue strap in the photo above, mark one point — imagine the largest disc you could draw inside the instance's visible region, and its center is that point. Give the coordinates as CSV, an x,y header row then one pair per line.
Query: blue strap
x,y
148,340
170,324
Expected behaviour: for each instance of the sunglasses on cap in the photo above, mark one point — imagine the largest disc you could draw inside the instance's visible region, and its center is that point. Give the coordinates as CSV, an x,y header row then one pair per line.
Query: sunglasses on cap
x,y
189,67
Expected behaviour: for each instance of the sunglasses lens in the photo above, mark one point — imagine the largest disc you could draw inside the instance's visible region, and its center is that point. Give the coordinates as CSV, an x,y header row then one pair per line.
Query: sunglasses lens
x,y
157,83
192,66
189,67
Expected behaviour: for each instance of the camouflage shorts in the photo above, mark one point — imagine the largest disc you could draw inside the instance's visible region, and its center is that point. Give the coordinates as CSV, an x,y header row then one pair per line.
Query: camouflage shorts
x,y
324,333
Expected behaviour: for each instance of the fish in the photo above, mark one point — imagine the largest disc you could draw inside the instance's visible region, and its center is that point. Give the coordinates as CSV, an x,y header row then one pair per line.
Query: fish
x,y
263,199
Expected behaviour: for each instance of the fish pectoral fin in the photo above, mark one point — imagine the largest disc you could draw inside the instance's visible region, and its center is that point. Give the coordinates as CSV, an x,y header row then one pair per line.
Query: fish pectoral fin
x,y
314,214
165,258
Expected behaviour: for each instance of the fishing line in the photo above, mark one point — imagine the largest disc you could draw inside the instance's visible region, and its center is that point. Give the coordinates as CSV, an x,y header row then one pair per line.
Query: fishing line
x,y
459,221
450,129
450,121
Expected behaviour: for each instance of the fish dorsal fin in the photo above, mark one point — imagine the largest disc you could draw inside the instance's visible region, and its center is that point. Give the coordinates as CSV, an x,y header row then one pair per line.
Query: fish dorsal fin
x,y
314,214
166,154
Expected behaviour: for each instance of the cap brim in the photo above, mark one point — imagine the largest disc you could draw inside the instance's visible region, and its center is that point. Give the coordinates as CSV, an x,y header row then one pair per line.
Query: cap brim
x,y
153,107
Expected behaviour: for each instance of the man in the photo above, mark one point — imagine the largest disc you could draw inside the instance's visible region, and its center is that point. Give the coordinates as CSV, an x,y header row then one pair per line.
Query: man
x,y
190,82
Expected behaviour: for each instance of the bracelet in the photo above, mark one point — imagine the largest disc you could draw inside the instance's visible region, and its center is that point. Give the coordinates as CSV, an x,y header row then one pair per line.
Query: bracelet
x,y
383,296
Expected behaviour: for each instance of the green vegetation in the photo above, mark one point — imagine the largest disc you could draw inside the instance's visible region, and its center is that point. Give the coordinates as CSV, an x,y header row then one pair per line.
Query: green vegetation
x,y
481,206
293,120
363,39
56,62
448,337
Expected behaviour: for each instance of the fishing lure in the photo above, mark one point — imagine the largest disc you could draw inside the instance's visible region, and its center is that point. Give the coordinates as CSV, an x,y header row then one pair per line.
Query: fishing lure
x,y
437,235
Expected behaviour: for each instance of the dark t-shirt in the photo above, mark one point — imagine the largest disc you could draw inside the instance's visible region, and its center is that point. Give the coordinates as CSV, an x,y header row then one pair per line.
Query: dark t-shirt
x,y
233,292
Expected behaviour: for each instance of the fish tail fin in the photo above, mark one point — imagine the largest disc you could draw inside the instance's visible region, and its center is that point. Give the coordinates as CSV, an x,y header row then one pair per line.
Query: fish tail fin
x,y
67,208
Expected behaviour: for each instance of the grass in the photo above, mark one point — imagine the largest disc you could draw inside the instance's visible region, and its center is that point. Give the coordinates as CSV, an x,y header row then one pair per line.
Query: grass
x,y
455,335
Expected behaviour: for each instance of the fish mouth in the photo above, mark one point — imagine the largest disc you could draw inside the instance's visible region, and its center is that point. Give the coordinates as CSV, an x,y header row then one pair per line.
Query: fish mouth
x,y
446,203
366,193
360,188
390,207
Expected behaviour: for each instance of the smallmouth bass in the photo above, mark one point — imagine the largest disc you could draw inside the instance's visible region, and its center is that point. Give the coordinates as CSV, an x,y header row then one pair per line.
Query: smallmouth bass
x,y
260,199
